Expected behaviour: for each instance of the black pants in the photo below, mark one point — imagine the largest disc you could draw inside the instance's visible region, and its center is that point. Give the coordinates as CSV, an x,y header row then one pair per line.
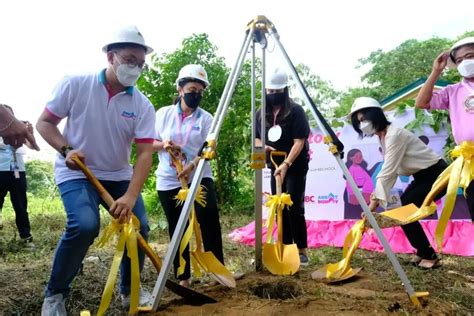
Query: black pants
x,y
415,193
294,222
17,189
470,199
208,218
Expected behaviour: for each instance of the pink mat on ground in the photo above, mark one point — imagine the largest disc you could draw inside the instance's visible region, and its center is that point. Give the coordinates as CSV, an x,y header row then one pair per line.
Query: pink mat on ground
x,y
459,236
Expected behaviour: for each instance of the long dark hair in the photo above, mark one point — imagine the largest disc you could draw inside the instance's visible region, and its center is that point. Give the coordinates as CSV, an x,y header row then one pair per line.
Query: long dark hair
x,y
351,154
374,115
284,112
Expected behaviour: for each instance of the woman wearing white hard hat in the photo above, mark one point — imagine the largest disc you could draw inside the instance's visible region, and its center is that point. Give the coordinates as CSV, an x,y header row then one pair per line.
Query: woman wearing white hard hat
x,y
287,129
404,154
457,98
184,125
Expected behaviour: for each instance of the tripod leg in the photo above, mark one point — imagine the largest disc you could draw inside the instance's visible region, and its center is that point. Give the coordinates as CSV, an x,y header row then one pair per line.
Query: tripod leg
x,y
325,130
183,218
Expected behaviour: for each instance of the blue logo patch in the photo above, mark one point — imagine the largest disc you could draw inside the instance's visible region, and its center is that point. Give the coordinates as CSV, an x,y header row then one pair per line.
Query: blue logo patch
x,y
129,115
196,127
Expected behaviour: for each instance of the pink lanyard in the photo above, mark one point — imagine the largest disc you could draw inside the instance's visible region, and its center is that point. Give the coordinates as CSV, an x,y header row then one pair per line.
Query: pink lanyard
x,y
179,123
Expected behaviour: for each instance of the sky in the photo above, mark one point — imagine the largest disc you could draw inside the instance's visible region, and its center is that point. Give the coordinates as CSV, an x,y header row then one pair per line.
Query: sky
x,y
41,41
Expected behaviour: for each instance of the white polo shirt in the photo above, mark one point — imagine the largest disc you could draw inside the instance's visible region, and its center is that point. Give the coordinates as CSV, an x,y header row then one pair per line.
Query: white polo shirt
x,y
189,133
102,127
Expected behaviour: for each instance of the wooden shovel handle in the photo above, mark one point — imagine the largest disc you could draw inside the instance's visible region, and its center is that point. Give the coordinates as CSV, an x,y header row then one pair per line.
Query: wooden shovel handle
x,y
178,164
109,201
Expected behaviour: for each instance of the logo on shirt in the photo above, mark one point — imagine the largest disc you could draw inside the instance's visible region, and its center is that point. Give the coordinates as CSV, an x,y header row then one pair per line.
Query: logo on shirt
x,y
326,199
196,128
129,115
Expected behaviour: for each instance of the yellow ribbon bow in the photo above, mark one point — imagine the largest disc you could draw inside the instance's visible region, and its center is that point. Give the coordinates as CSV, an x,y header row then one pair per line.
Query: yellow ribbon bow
x,y
273,203
460,173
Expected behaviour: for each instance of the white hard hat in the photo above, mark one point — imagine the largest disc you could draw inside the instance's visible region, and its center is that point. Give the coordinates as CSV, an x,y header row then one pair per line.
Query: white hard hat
x,y
128,34
458,44
193,71
276,79
363,103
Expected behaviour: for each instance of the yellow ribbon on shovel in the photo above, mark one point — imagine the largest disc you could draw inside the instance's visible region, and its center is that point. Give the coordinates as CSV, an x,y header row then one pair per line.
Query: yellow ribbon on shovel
x,y
460,174
199,258
333,272
127,234
273,203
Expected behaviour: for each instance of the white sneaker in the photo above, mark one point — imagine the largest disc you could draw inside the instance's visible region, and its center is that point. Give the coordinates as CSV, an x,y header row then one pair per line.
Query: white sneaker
x,y
146,299
54,306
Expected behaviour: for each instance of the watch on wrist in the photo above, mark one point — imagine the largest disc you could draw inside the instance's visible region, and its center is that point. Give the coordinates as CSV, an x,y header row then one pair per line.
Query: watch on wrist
x,y
287,163
65,149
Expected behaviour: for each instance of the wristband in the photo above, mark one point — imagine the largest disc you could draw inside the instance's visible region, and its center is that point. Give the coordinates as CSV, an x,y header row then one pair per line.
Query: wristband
x,y
287,163
65,150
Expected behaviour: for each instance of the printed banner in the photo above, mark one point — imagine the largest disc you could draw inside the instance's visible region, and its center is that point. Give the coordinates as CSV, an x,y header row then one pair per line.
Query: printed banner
x,y
329,197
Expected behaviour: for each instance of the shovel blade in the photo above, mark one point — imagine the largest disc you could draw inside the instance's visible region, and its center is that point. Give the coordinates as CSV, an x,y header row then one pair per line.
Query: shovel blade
x,y
214,267
322,275
285,262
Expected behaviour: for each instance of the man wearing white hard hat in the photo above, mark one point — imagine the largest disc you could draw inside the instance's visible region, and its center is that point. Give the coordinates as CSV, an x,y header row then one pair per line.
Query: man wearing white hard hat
x,y
457,98
105,114
287,129
184,126
404,155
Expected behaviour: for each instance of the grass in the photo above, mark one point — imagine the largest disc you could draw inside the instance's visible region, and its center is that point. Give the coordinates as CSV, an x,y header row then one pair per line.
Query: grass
x,y
23,274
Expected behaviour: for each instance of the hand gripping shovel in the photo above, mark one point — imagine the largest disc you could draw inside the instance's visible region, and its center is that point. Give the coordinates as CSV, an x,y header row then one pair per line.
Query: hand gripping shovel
x,y
206,260
191,296
278,258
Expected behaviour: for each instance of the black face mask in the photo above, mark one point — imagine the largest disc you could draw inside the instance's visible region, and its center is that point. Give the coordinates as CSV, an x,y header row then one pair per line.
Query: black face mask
x,y
276,98
192,99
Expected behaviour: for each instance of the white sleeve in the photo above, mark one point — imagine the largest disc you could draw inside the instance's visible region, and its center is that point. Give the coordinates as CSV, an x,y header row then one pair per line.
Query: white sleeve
x,y
145,128
395,148
60,102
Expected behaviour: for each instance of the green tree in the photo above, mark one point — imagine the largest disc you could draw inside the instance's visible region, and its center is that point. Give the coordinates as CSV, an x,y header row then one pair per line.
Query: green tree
x,y
40,177
402,65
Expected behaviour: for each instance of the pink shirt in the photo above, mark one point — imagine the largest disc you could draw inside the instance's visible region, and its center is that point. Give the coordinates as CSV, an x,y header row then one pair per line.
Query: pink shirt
x,y
452,98
361,178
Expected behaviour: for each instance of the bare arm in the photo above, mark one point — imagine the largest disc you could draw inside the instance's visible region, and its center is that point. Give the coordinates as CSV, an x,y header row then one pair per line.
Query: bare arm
x,y
47,127
13,131
424,97
298,144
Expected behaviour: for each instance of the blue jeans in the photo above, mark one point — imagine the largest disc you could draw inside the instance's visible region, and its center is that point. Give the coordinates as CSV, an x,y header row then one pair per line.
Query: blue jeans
x,y
81,202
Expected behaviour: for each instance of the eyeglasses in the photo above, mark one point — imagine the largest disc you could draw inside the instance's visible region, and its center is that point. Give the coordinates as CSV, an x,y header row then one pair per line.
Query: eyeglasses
x,y
131,62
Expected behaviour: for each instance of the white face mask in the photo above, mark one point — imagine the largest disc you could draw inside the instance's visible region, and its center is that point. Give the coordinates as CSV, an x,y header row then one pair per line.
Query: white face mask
x,y
466,68
367,128
127,76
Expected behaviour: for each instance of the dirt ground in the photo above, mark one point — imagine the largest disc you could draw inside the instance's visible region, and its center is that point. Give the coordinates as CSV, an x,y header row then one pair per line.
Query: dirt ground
x,y
375,291
364,294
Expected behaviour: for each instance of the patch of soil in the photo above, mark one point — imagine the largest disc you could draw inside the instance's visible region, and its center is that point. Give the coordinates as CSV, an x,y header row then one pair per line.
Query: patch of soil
x,y
264,294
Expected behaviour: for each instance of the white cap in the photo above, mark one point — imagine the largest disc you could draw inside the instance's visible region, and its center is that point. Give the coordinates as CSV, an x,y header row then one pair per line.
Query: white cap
x,y
128,34
458,44
276,79
363,103
193,71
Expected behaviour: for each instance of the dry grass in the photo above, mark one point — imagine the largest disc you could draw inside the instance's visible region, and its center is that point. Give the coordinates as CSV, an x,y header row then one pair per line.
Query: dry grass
x,y
23,275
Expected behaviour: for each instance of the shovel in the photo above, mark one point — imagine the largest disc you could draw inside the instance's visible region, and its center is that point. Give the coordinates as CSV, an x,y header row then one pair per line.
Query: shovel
x,y
206,260
193,297
278,258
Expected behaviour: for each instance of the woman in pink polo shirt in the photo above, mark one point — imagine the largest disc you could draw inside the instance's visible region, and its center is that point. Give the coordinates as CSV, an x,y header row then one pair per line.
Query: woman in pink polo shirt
x,y
457,98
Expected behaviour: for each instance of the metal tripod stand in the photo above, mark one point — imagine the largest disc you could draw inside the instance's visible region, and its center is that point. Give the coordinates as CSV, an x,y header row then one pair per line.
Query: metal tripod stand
x,y
258,30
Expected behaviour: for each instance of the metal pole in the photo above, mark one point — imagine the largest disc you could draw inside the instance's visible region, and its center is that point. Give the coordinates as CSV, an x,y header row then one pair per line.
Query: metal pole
x,y
388,250
257,173
184,216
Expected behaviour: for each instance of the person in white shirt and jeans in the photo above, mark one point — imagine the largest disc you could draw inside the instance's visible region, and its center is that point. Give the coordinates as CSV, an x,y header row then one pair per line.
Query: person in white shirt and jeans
x,y
404,154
